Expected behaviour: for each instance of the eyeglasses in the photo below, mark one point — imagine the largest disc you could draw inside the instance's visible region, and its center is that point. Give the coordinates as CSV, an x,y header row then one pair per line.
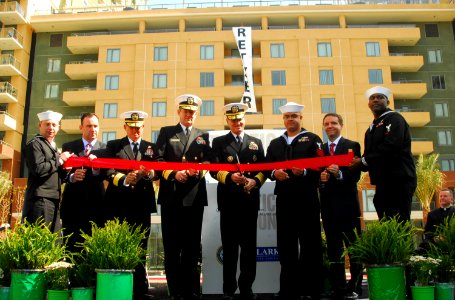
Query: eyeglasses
x,y
293,116
379,97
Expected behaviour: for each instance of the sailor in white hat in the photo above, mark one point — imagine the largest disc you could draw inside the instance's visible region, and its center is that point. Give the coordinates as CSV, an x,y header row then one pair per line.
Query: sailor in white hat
x,y
388,157
298,225
45,166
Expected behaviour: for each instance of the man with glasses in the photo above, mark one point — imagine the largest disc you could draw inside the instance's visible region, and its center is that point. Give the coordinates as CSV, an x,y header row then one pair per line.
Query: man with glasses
x,y
182,197
388,157
297,208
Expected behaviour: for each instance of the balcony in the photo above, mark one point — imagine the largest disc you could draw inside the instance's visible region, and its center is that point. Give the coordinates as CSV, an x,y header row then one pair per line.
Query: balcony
x,y
8,93
10,39
6,151
7,122
70,124
416,118
404,62
421,146
408,89
82,70
84,96
12,13
9,65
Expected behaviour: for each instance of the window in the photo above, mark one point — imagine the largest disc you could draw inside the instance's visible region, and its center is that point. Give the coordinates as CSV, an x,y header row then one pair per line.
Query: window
x,y
447,164
444,137
108,136
367,197
373,49
155,134
56,40
438,82
113,56
160,53
53,65
276,50
441,110
276,103
278,77
52,90
325,76
207,108
111,82
110,110
431,30
159,81
434,56
207,79
159,109
207,52
235,53
324,49
375,76
328,105
238,80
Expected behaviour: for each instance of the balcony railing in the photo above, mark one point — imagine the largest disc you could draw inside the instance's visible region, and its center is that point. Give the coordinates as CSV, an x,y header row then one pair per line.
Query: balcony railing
x,y
6,87
85,88
9,59
404,81
77,62
11,32
404,54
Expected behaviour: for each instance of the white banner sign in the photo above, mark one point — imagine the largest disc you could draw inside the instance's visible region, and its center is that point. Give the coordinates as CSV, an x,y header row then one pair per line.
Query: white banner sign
x,y
244,44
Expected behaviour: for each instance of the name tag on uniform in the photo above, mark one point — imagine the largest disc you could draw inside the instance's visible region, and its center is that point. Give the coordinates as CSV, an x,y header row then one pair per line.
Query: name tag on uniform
x,y
174,140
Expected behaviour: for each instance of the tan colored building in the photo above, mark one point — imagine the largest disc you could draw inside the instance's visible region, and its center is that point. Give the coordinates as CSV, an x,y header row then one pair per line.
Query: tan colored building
x,y
15,45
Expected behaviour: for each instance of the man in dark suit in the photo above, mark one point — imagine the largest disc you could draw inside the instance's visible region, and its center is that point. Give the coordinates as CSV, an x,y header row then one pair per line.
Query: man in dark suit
x,y
388,157
182,197
340,209
130,194
297,208
45,173
84,189
238,202
438,216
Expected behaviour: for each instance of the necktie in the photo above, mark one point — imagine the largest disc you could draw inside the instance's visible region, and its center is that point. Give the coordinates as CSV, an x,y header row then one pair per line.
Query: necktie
x,y
332,148
188,132
135,150
239,139
88,147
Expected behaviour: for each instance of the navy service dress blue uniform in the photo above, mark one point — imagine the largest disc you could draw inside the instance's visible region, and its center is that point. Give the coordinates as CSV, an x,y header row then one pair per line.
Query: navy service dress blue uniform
x,y
237,205
297,212
182,198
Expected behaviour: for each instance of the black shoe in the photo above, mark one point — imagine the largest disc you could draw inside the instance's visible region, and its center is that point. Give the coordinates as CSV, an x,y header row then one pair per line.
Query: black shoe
x,y
192,297
351,295
228,297
175,298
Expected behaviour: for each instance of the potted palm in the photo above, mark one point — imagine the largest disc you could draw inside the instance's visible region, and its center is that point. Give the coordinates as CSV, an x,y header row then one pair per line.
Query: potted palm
x,y
57,280
384,248
114,251
27,250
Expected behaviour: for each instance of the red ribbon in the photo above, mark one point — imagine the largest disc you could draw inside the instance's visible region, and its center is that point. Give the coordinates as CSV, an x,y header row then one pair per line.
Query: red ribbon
x,y
124,164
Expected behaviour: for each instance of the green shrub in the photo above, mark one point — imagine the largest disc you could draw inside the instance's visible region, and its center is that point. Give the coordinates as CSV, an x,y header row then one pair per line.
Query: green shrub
x,y
385,242
32,246
117,245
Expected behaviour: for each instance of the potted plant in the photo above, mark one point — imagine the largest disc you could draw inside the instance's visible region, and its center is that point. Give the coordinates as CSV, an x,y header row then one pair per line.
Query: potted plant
x,y
114,251
384,248
82,279
5,274
57,280
28,249
444,250
423,270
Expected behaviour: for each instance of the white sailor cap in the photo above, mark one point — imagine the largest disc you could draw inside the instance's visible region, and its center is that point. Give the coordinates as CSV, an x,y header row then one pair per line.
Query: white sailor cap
x,y
235,111
49,115
188,101
291,107
134,118
378,90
